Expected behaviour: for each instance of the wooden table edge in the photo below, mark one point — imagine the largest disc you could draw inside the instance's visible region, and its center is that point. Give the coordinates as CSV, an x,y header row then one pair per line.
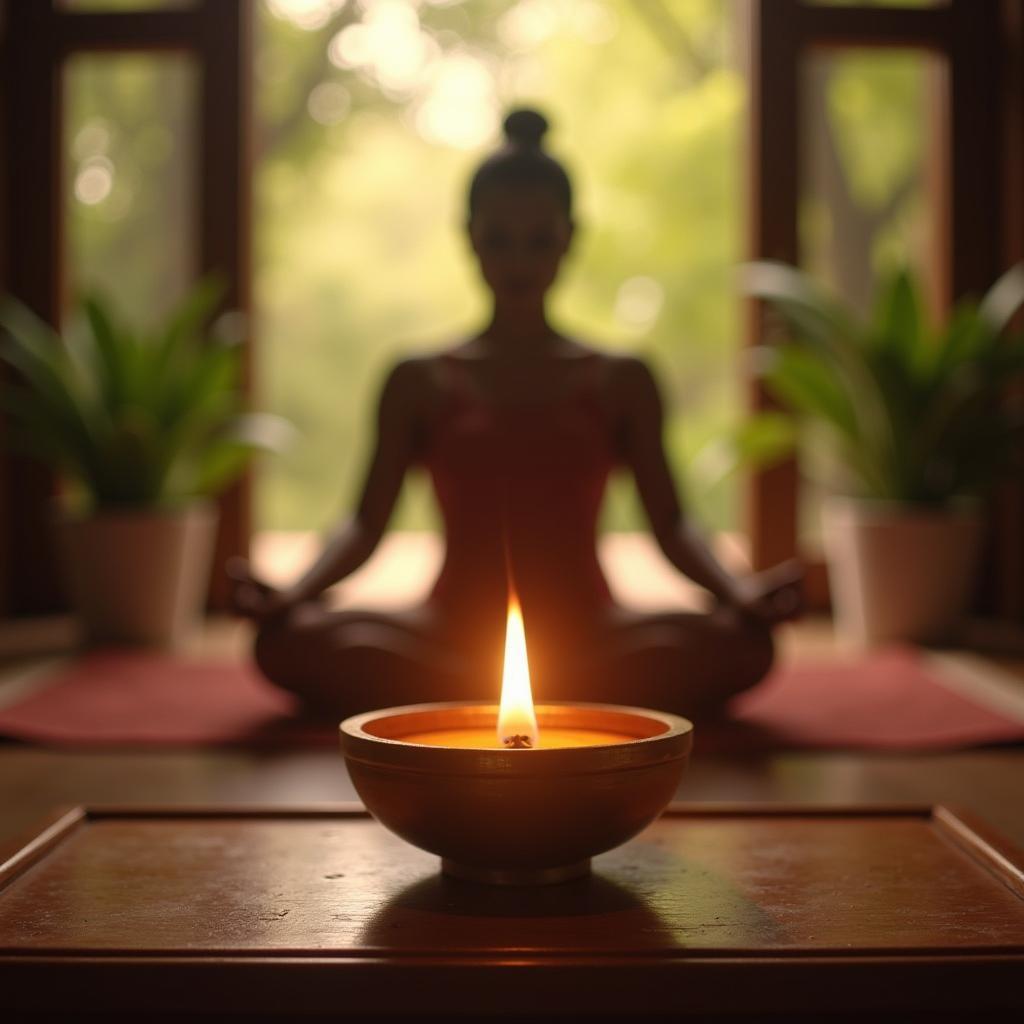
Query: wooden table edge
x,y
624,986
961,827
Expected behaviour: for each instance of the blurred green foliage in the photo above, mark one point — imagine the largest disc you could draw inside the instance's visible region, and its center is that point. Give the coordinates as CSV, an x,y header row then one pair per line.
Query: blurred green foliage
x,y
133,420
362,163
913,410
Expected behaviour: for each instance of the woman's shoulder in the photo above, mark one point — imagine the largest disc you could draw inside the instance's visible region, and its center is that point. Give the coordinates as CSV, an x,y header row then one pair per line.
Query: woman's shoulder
x,y
419,368
623,371
419,381
617,363
432,366
409,390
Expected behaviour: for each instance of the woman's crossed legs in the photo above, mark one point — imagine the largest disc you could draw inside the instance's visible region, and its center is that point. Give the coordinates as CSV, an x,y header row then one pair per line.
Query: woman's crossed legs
x,y
342,662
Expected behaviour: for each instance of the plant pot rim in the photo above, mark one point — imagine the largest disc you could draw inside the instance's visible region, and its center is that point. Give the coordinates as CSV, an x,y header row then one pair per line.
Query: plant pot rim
x,y
191,507
963,506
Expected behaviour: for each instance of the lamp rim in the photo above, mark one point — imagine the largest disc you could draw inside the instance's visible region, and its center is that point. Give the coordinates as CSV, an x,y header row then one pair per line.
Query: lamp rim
x,y
673,742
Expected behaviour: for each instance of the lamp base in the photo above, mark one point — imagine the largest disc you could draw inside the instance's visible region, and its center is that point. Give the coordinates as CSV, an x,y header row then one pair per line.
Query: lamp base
x,y
515,876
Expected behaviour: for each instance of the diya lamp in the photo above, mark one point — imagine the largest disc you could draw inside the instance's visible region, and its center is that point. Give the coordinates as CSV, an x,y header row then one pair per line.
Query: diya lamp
x,y
516,794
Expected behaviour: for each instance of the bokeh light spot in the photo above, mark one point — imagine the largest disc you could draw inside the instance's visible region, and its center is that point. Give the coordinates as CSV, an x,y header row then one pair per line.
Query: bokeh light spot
x,y
92,139
461,108
94,181
329,103
639,301
305,14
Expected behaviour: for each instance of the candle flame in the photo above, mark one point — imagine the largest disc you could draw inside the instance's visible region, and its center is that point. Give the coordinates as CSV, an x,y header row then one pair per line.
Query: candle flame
x,y
517,723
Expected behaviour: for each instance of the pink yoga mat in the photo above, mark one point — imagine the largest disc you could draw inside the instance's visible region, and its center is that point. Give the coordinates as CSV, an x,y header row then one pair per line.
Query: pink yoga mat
x,y
887,700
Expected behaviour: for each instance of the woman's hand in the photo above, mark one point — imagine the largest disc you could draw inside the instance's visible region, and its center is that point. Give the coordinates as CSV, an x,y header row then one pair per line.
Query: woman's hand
x,y
252,597
772,596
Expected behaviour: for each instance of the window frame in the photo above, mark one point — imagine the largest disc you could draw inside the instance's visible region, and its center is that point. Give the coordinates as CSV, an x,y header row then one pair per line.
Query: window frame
x,y
38,37
969,192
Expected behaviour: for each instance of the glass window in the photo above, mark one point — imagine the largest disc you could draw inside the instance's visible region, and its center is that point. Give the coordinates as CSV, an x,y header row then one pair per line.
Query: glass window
x,y
130,173
370,120
865,209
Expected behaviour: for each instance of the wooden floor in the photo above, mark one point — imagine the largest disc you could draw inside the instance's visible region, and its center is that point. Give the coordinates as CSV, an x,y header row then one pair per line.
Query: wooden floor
x,y
34,780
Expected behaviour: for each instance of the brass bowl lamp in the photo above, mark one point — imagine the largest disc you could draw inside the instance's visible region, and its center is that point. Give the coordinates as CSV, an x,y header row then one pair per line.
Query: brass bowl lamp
x,y
516,816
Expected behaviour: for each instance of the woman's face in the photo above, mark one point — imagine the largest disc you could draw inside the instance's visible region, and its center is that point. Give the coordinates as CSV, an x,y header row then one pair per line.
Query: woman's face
x,y
519,235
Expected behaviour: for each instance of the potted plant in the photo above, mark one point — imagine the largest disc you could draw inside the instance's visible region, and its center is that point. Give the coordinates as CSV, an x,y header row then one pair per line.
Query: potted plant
x,y
917,421
143,428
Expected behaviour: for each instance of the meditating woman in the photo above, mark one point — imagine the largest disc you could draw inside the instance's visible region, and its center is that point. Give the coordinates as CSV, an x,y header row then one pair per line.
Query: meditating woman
x,y
518,427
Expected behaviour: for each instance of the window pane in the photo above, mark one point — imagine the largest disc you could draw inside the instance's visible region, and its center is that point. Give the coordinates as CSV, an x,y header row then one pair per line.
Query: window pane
x,y
371,119
129,159
865,196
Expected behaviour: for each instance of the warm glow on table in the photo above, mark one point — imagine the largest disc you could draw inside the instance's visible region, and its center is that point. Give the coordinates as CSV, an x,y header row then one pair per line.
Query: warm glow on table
x,y
488,739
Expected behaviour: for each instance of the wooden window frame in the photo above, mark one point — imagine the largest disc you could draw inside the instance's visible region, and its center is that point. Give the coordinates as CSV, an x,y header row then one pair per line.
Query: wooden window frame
x,y
39,36
969,192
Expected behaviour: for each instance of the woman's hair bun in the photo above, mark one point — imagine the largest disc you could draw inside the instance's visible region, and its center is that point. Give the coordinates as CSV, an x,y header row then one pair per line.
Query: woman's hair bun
x,y
521,161
526,128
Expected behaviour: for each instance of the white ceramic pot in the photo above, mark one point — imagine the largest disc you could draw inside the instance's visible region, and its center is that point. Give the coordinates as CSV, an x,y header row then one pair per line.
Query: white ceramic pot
x,y
139,577
899,572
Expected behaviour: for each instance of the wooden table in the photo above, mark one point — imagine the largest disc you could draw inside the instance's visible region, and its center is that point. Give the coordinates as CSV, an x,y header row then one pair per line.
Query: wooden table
x,y
728,910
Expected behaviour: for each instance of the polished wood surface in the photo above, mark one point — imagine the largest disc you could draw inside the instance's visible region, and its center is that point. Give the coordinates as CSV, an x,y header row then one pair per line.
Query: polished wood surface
x,y
912,896
700,879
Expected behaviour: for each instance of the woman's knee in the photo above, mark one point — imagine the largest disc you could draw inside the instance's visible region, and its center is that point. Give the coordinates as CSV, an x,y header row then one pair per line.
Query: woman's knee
x,y
325,679
269,648
751,653
351,662
284,644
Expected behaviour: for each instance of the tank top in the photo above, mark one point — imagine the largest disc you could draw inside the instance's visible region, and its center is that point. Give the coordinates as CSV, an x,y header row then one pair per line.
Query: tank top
x,y
519,489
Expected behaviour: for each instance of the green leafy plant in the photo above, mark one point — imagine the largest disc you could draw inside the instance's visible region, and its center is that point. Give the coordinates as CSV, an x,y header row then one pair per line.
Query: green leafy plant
x,y
916,413
135,419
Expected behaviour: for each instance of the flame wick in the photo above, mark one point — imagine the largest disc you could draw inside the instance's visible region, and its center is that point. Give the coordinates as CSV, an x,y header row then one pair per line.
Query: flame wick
x,y
517,742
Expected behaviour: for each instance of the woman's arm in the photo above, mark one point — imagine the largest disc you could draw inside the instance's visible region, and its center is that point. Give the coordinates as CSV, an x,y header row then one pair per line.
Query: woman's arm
x,y
772,596
352,543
